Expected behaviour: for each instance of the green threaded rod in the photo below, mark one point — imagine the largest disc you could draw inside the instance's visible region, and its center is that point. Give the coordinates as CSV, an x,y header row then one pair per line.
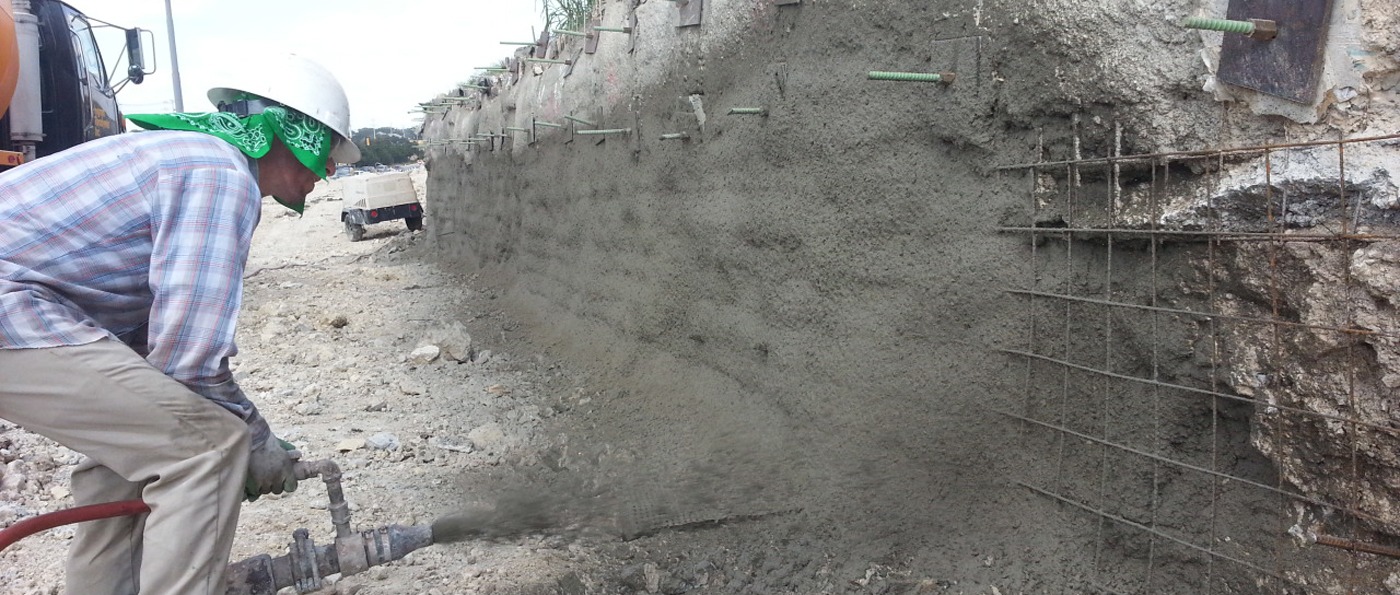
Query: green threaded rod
x,y
518,43
604,131
613,29
548,124
516,129
579,121
571,33
676,136
494,69
474,87
550,61
748,111
915,77
1260,29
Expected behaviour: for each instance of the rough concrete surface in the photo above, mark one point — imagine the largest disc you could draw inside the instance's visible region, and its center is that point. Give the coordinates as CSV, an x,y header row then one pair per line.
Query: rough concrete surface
x,y
828,282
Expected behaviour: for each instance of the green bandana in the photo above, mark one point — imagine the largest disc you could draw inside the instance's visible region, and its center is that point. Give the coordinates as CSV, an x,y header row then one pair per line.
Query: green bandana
x,y
308,139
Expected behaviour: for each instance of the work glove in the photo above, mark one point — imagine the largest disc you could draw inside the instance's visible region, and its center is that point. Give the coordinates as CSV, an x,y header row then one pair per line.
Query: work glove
x,y
270,469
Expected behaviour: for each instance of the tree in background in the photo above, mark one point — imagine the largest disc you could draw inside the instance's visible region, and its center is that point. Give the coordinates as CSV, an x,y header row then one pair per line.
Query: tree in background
x,y
389,146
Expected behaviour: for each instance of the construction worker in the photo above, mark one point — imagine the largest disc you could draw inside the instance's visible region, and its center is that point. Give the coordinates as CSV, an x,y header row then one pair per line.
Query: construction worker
x,y
121,269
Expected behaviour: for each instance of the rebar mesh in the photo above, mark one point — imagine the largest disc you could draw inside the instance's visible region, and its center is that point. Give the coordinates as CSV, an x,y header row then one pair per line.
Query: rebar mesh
x,y
1137,417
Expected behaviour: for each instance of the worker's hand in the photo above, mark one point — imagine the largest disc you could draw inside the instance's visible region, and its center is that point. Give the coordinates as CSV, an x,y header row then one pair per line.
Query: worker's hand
x,y
270,469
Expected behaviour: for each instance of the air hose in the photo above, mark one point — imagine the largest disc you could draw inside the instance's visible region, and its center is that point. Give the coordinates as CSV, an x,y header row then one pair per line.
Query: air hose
x,y
68,516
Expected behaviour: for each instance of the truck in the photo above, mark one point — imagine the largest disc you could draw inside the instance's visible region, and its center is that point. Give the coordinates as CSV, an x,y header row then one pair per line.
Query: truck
x,y
376,198
55,91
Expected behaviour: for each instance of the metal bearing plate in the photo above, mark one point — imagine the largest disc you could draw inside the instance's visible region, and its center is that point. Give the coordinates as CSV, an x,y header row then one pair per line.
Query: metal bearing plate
x,y
1287,66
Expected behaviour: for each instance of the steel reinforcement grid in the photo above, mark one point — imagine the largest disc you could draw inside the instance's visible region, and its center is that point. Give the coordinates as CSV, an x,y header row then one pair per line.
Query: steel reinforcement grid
x,y
1130,424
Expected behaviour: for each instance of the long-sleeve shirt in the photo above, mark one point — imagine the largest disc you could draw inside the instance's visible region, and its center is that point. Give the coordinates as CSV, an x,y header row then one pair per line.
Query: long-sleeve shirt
x,y
139,237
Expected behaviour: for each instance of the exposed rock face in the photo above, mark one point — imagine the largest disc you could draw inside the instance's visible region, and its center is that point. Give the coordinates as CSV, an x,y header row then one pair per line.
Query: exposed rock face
x,y
1308,363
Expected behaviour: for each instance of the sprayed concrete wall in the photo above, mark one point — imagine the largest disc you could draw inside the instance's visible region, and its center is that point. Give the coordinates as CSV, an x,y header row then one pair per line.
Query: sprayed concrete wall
x,y
823,288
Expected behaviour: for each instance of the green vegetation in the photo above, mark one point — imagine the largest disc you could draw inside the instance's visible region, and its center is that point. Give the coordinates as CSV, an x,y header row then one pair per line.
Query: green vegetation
x,y
389,146
567,14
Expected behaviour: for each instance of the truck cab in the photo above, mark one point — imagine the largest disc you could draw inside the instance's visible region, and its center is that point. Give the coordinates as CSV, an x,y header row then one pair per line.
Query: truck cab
x,y
80,104
59,94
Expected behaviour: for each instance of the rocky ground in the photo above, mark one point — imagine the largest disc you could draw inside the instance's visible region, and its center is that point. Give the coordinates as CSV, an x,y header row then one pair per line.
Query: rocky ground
x,y
360,352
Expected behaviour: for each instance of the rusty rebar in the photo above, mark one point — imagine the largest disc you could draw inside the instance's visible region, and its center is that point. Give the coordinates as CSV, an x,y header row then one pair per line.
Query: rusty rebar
x,y
1068,365
1202,152
1355,546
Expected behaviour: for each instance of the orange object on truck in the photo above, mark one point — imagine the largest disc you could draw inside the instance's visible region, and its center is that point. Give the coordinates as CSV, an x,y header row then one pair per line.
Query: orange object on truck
x,y
54,88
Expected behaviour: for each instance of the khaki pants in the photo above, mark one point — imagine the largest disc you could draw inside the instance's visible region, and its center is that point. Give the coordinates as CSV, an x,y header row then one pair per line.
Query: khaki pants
x,y
145,436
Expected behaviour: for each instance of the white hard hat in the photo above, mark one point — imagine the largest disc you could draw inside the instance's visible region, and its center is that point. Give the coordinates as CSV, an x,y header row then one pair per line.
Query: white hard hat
x,y
302,85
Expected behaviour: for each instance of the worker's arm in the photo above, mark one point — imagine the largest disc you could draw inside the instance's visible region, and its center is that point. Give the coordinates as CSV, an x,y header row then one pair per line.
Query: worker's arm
x,y
202,226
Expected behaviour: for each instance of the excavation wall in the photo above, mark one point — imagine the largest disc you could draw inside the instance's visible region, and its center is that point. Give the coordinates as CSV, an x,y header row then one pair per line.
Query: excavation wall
x,y
839,317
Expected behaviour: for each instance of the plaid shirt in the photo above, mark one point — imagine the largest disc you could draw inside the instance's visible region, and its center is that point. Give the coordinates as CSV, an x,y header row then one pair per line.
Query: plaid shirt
x,y
139,237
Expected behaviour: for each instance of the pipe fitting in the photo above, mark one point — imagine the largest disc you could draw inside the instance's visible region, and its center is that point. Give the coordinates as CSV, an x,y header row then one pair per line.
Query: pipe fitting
x,y
329,472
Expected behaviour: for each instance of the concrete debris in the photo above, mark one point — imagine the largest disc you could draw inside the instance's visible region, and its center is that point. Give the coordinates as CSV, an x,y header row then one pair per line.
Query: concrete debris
x,y
383,441
653,577
351,444
426,354
498,389
454,341
482,357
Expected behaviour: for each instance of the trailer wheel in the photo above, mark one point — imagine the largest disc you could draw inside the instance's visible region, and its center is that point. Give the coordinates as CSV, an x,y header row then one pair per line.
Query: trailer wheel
x,y
354,231
414,223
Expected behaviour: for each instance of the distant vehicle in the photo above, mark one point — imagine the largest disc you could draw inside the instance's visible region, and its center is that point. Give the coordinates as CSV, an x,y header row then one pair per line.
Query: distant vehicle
x,y
376,198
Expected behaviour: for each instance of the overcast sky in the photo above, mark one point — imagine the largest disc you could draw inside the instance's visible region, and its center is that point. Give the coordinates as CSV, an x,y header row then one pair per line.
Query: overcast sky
x,y
388,54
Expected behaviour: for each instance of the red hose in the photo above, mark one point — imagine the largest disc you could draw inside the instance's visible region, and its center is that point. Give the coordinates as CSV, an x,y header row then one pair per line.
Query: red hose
x,y
68,516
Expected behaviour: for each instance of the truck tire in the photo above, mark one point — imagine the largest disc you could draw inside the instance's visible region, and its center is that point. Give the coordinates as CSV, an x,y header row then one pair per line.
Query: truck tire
x,y
354,231
414,223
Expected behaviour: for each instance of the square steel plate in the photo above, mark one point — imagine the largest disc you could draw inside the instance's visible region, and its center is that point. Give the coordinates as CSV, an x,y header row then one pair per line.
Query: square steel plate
x,y
590,43
691,11
1286,66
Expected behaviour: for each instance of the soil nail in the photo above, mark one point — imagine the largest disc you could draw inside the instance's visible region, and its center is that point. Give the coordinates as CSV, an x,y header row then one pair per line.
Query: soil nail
x,y
915,77
1260,29
604,131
